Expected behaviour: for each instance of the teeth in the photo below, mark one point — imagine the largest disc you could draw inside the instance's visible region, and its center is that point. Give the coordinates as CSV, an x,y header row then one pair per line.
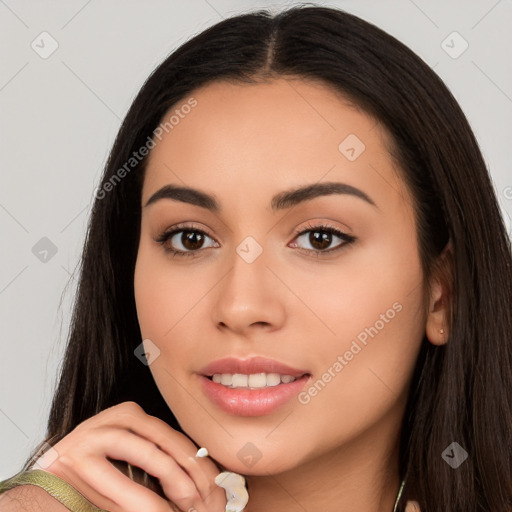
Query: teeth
x,y
239,380
254,380
226,379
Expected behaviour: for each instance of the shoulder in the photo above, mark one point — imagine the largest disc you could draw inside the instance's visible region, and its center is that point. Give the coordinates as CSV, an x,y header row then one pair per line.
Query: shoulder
x,y
29,498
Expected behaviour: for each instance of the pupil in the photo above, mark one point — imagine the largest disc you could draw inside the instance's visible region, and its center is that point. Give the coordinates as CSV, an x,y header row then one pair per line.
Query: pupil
x,y
321,238
191,240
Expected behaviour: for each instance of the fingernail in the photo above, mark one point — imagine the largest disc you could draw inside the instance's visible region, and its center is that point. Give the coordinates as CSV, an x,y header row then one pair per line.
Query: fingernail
x,y
202,452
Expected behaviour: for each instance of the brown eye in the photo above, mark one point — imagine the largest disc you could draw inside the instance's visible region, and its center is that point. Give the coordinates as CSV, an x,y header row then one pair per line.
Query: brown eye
x,y
320,239
185,242
192,240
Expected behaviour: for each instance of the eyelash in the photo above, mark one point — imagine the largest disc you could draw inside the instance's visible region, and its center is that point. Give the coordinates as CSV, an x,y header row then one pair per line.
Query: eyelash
x,y
167,235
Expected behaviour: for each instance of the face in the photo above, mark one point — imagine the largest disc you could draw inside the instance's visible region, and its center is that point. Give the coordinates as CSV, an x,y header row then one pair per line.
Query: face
x,y
327,283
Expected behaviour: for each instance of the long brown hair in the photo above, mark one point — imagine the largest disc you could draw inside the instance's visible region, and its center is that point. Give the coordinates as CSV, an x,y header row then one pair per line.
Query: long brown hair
x,y
461,392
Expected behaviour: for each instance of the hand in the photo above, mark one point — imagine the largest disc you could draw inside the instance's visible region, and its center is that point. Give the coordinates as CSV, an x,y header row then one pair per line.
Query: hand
x,y
126,433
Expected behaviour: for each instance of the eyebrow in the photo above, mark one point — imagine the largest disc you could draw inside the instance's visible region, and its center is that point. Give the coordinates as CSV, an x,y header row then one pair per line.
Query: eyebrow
x,y
281,201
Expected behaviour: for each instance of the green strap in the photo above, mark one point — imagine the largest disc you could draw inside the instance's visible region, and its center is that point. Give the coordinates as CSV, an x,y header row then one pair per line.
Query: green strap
x,y
61,490
399,494
66,494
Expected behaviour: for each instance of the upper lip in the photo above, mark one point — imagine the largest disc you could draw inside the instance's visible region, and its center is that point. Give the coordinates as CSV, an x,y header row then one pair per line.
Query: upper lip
x,y
249,366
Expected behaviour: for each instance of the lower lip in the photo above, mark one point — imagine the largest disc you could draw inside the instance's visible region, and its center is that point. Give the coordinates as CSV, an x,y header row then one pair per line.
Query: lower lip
x,y
252,402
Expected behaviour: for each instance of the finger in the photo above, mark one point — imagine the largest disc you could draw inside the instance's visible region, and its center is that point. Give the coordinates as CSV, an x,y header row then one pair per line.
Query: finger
x,y
132,417
120,444
106,487
137,497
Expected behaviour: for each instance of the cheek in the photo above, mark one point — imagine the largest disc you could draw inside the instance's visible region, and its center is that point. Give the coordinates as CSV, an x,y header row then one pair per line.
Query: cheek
x,y
162,300
147,298
164,291
362,378
373,286
369,322
157,292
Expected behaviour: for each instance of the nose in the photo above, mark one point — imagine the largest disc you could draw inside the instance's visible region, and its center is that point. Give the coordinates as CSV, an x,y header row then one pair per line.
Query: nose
x,y
249,297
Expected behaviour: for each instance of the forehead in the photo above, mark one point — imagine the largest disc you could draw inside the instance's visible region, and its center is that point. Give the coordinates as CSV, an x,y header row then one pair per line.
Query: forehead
x,y
260,138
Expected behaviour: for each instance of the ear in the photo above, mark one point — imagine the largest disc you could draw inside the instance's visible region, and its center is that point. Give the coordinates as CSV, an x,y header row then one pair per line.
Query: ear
x,y
440,299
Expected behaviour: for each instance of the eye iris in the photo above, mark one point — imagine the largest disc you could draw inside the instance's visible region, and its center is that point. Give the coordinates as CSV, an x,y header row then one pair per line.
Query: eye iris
x,y
323,238
192,240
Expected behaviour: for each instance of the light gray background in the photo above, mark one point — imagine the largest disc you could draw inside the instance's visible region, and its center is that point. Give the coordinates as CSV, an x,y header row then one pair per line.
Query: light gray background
x,y
59,117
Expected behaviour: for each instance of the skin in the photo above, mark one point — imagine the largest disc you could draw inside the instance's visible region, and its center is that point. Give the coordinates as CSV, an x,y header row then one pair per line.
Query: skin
x,y
243,144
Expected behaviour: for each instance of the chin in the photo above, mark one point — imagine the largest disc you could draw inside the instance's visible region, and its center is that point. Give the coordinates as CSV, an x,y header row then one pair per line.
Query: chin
x,y
248,460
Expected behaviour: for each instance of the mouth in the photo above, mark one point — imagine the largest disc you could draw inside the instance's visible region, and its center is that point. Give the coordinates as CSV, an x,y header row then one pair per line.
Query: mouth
x,y
251,387
251,366
252,394
253,380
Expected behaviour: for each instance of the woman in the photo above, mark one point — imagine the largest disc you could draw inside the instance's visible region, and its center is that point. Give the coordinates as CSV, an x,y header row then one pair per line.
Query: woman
x,y
294,205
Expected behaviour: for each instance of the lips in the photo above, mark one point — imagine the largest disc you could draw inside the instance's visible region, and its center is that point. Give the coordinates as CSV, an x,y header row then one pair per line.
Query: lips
x,y
249,401
250,366
252,402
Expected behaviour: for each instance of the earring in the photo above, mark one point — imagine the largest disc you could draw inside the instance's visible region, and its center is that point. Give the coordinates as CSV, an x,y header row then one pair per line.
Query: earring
x,y
441,331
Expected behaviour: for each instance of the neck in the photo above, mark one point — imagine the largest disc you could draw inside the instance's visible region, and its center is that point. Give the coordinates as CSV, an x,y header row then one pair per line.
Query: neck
x,y
361,477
